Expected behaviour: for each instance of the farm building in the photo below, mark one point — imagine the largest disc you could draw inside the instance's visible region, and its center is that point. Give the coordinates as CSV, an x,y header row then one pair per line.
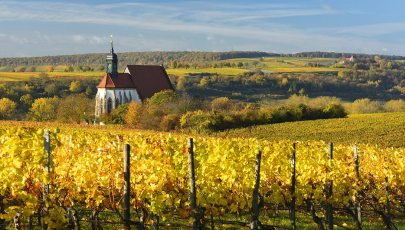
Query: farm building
x,y
136,83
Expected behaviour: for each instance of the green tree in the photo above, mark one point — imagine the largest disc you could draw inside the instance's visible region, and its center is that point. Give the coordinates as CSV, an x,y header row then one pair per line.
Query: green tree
x,y
69,68
52,89
7,108
164,96
72,109
26,101
240,64
43,109
100,68
79,68
246,64
255,63
13,70
89,91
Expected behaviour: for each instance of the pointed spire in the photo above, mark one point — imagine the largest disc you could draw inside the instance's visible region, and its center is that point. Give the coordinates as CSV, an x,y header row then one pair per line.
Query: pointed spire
x,y
112,49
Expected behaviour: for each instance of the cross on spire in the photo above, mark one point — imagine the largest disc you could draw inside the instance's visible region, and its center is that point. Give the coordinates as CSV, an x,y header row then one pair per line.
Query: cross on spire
x,y
112,49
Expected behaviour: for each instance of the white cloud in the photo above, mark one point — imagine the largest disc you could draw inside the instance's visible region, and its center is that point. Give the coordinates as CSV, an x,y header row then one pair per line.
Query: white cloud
x,y
384,49
78,38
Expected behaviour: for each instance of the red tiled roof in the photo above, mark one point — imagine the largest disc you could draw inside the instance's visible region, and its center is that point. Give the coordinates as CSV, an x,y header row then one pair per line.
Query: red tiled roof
x,y
149,79
123,80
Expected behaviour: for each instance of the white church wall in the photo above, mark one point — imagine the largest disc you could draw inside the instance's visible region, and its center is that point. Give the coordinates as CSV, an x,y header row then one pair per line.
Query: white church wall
x,y
124,95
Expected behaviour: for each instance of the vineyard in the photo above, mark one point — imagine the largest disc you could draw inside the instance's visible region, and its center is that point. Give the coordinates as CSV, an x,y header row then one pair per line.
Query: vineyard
x,y
85,180
382,129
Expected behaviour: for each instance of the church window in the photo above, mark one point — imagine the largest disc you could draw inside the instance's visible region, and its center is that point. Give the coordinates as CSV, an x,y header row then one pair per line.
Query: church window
x,y
120,99
117,103
130,97
109,105
102,106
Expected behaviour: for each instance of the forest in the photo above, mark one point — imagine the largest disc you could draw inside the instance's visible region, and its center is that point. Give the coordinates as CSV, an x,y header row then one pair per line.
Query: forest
x,y
156,57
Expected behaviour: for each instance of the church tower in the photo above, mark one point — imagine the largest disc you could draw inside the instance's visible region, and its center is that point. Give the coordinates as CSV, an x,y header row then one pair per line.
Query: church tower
x,y
112,61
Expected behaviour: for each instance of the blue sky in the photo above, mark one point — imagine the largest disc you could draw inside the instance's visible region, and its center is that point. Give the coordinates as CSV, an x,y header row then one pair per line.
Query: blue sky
x,y
41,28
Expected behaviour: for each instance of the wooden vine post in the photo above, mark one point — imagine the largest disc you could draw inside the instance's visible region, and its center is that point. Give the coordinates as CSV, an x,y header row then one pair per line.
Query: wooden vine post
x,y
127,187
255,208
358,203
2,226
292,205
47,147
329,207
193,197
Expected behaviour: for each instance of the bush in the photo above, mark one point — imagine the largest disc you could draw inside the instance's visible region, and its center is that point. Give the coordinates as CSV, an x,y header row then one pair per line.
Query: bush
x,y
365,105
200,122
221,104
117,116
334,110
170,122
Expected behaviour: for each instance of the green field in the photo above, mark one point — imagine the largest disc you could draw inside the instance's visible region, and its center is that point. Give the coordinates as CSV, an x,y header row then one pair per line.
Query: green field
x,y
272,64
224,71
15,76
382,129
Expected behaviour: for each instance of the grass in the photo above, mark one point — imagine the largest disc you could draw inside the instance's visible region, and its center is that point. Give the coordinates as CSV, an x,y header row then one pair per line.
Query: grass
x,y
382,129
16,76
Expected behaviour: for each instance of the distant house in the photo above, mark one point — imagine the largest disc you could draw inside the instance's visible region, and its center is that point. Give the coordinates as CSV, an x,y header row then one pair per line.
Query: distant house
x,y
136,83
351,59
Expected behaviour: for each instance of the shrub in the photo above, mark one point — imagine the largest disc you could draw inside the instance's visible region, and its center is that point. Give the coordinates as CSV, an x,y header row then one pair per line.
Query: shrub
x,y
334,110
395,106
221,103
365,105
170,122
198,121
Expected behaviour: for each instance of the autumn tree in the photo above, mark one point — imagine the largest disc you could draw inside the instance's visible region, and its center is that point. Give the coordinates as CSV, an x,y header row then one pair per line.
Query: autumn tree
x,y
72,109
22,69
13,70
79,68
133,114
100,68
43,109
7,108
33,69
246,64
173,64
255,63
52,89
50,69
76,87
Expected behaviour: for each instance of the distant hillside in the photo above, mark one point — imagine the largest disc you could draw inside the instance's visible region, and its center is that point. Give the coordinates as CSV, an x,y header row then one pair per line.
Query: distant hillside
x,y
166,57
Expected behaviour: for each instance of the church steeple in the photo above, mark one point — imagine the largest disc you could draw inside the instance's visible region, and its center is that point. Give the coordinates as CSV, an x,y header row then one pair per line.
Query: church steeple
x,y
112,62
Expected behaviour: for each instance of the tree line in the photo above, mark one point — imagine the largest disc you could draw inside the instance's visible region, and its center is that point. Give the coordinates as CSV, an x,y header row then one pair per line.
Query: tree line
x,y
165,58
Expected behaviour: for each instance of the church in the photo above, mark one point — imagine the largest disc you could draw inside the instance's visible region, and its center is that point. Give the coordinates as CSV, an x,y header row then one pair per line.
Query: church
x,y
136,83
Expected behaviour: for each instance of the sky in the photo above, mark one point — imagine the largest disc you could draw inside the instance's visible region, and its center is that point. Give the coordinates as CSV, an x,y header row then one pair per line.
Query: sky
x,y
43,28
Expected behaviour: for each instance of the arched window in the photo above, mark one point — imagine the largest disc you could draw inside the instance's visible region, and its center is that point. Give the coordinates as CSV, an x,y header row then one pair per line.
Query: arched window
x,y
102,106
109,105
120,99
130,97
125,97
117,103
